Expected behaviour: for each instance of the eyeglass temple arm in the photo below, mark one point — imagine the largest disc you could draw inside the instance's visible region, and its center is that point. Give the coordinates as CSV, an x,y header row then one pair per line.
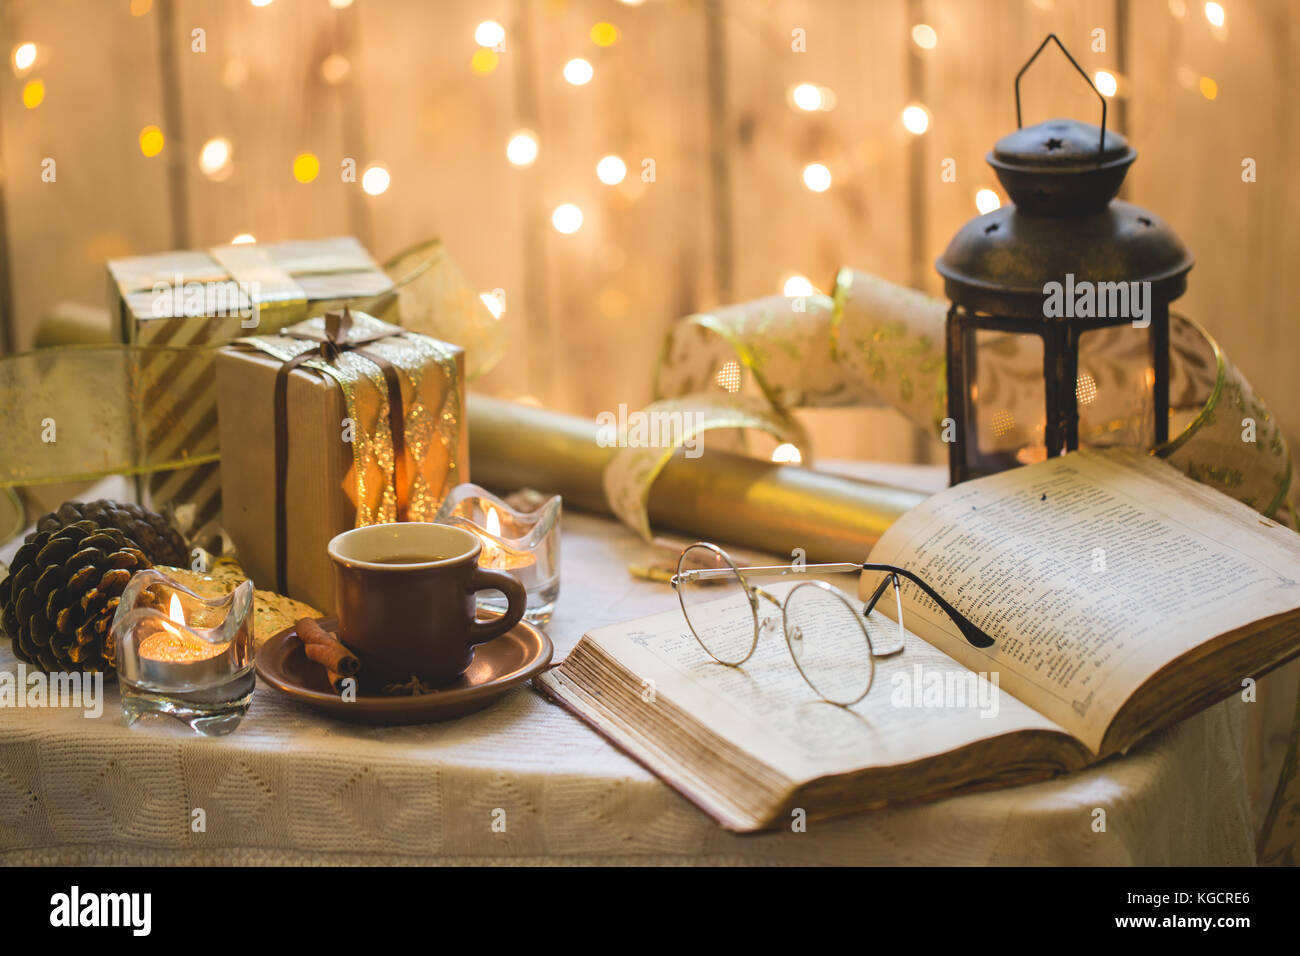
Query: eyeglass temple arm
x,y
973,634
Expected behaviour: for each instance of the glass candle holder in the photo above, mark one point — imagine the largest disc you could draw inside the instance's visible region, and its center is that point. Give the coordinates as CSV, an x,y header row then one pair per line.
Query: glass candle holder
x,y
183,655
525,543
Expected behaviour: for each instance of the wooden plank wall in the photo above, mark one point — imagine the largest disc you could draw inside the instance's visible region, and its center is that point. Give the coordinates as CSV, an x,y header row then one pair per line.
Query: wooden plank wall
x,y
699,86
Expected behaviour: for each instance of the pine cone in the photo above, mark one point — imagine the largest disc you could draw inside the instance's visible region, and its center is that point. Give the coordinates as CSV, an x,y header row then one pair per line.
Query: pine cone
x,y
152,532
58,602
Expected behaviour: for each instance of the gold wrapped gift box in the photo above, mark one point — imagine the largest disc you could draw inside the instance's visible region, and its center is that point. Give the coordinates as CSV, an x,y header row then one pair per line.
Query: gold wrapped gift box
x,y
341,466
196,299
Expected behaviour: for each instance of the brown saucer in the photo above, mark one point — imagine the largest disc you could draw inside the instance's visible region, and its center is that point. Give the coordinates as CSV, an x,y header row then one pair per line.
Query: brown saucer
x,y
500,664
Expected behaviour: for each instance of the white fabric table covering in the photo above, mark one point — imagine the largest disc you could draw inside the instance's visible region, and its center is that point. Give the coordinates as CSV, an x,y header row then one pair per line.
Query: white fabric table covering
x,y
290,786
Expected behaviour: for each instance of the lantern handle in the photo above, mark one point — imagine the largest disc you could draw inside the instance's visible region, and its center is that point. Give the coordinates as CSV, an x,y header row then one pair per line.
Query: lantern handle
x,y
1052,38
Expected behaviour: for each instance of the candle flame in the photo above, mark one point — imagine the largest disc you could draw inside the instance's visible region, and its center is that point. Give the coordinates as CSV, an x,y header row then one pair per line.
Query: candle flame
x,y
175,611
493,523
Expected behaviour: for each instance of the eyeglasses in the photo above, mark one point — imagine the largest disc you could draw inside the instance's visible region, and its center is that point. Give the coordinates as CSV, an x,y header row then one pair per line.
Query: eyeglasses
x,y
833,646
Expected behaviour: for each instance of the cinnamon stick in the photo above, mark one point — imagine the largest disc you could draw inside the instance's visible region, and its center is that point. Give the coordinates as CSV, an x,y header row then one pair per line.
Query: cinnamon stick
x,y
325,649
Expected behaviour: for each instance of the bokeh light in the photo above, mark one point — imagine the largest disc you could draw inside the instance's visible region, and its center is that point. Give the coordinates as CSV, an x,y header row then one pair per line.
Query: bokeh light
x,y
567,218
817,177
1105,82
306,167
242,239
611,170
986,200
806,96
916,118
923,35
522,149
604,34
24,56
578,71
151,141
1214,13
33,93
484,61
375,180
797,285
489,33
787,454
214,157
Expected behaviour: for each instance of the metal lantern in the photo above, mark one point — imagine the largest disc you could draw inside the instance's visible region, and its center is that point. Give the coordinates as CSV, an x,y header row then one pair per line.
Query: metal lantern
x,y
1072,272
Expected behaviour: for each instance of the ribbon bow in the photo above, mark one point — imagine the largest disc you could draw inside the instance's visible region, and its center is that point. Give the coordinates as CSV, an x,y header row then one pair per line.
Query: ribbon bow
x,y
338,337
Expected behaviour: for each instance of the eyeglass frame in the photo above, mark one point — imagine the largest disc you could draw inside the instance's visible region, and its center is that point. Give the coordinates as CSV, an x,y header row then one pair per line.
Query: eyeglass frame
x,y
973,634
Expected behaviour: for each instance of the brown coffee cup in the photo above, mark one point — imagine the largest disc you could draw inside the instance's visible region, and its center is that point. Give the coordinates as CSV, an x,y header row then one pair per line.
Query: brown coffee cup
x,y
406,600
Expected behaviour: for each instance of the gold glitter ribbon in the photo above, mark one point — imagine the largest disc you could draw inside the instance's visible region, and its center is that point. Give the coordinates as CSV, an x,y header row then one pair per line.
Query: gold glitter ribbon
x,y
873,342
433,416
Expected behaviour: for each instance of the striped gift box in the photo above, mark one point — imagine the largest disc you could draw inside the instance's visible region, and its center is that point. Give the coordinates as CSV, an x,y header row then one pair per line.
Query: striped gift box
x,y
192,301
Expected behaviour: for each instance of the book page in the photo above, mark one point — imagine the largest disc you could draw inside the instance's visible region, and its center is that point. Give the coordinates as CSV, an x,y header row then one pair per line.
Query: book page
x,y
1090,572
921,702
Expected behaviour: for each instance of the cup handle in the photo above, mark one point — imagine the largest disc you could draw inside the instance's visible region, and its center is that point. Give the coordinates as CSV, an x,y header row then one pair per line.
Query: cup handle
x,y
516,600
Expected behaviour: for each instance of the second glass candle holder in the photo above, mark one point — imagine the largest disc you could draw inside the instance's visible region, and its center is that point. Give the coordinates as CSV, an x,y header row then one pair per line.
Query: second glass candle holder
x,y
525,543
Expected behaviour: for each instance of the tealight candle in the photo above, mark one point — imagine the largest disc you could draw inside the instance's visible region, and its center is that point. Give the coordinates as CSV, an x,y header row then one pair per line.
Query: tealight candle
x,y
184,655
524,543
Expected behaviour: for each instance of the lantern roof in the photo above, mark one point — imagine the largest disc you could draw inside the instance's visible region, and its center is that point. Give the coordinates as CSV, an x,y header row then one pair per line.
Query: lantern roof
x,y
1061,176
1061,167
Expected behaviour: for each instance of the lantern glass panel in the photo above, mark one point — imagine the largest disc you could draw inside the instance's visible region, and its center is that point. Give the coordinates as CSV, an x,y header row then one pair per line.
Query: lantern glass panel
x,y
1008,399
1114,388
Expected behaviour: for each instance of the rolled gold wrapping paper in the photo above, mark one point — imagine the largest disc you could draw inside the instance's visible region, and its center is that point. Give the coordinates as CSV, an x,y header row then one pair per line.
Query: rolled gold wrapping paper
x,y
718,496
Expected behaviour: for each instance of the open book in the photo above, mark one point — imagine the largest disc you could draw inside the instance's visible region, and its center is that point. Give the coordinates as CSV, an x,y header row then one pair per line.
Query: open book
x,y
1121,597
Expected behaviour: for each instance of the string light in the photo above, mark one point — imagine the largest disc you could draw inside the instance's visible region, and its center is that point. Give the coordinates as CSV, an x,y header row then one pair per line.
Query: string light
x,y
490,34
214,158
787,454
1214,13
796,285
335,68
1209,89
923,35
986,200
484,61
340,4
522,148
916,119
306,167
242,239
375,180
33,93
151,141
604,34
493,303
24,57
611,170
807,97
578,71
817,177
140,7
1105,82
260,3
567,218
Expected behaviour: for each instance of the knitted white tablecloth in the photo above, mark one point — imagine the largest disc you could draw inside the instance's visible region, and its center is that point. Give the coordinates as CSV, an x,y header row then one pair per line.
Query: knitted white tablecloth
x,y
290,786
